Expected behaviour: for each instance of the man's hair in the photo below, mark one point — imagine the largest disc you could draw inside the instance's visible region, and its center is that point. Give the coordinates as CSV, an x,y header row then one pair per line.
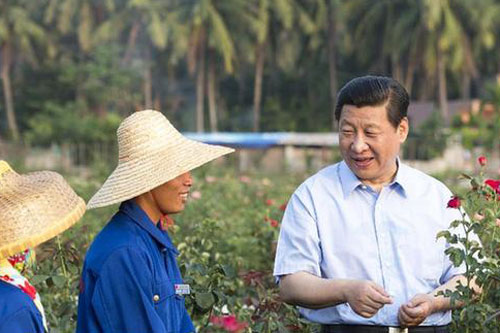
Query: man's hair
x,y
374,91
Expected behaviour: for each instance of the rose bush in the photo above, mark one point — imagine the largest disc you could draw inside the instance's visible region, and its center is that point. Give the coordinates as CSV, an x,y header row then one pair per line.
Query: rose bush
x,y
226,236
477,246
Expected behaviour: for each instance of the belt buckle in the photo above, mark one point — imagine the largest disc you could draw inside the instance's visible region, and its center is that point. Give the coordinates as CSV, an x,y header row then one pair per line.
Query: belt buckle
x,y
398,330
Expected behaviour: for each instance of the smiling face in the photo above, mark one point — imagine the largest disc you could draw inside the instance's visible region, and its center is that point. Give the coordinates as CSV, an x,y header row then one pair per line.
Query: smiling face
x,y
171,197
369,143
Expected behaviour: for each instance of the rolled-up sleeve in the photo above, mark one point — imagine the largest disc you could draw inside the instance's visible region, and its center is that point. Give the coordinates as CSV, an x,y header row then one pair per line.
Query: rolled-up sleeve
x,y
123,295
298,245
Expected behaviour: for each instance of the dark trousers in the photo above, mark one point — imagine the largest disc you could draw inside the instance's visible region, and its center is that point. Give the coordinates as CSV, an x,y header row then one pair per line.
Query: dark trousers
x,y
380,329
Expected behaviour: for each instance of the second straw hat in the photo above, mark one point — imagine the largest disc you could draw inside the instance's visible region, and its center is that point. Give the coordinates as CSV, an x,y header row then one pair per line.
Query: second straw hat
x,y
34,207
150,153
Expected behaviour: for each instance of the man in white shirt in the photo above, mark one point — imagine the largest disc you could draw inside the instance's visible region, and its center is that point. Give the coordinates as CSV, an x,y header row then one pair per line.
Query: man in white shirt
x,y
357,249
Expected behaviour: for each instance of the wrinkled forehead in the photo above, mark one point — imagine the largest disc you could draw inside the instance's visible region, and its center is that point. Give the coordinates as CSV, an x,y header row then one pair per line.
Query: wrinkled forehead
x,y
365,116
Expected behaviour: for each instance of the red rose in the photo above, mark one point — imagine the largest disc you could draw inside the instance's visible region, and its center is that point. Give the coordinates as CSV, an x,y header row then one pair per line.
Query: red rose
x,y
283,206
494,184
454,202
482,160
229,323
269,202
273,223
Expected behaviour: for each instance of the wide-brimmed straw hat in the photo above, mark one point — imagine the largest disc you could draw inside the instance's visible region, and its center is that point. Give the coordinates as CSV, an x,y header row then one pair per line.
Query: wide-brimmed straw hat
x,y
150,153
34,207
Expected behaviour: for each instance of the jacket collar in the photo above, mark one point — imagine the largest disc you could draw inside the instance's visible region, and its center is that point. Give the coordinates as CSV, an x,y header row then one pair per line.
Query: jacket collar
x,y
136,214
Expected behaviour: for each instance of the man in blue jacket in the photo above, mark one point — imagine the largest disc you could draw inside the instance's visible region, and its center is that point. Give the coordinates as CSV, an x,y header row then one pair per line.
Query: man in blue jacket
x,y
130,280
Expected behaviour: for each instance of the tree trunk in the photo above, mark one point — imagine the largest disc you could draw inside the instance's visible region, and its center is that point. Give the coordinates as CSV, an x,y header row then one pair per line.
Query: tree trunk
x,y
148,80
498,62
410,71
466,83
427,87
257,90
443,96
414,57
132,38
332,62
200,83
397,69
471,73
7,91
212,98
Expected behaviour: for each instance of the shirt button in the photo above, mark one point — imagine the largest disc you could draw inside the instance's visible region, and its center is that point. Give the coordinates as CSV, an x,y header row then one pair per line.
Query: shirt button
x,y
156,298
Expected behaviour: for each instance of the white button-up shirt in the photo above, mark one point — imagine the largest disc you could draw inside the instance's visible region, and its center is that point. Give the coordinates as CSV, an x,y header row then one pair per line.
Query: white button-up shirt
x,y
335,227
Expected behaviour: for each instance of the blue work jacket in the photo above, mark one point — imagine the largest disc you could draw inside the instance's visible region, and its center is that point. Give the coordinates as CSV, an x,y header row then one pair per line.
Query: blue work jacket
x,y
129,278
18,313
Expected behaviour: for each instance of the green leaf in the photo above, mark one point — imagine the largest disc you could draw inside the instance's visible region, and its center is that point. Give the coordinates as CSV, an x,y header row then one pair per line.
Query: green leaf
x,y
229,271
37,279
443,234
58,280
205,300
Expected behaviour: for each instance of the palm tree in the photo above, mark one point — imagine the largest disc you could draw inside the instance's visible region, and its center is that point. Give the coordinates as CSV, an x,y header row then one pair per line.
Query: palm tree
x,y
210,23
332,55
80,17
438,34
446,25
148,22
266,13
327,19
18,33
388,31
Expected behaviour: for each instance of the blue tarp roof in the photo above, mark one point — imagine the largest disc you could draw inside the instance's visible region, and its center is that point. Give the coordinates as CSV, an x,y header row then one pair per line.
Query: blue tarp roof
x,y
265,140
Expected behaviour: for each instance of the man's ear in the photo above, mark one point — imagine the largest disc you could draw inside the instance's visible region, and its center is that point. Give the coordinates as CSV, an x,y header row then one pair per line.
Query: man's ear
x,y
403,129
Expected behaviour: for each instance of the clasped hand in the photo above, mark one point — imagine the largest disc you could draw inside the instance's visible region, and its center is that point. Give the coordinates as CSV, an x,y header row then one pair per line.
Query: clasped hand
x,y
366,298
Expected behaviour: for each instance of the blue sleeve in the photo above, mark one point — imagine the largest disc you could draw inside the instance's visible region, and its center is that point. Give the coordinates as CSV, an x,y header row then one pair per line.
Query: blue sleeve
x,y
22,321
123,296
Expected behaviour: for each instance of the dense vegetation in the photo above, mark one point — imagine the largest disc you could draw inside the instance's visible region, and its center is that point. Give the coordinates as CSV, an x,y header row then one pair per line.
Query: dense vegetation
x,y
70,67
227,237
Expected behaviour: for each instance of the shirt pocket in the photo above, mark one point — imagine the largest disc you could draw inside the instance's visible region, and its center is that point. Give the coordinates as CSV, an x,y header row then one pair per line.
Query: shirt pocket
x,y
168,305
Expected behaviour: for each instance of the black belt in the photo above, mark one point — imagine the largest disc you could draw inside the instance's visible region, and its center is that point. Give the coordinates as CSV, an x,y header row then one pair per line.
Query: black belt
x,y
382,329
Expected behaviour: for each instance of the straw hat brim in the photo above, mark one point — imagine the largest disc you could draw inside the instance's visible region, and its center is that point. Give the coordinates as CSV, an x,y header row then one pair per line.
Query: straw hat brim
x,y
35,208
135,177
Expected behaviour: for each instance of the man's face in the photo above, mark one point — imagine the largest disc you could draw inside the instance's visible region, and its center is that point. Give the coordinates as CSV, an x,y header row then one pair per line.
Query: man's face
x,y
369,143
171,197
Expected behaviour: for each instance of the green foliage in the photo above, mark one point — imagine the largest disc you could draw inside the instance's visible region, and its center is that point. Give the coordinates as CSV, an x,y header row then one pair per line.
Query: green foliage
x,y
427,141
102,90
480,208
226,242
99,51
68,123
482,128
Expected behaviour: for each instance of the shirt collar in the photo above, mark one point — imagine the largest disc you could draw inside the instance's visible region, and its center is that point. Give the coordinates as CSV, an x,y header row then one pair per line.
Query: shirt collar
x,y
135,212
405,179
349,181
